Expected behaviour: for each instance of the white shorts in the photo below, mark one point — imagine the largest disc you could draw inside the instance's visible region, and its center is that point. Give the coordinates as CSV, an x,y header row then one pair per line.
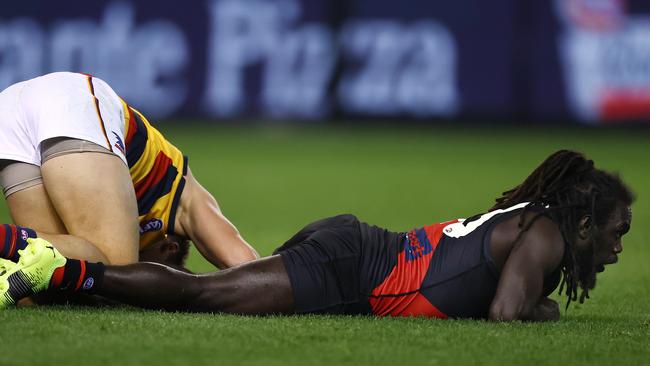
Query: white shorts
x,y
61,104
16,176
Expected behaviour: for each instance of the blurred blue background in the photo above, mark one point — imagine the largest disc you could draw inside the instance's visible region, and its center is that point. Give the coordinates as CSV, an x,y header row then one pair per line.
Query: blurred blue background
x,y
573,61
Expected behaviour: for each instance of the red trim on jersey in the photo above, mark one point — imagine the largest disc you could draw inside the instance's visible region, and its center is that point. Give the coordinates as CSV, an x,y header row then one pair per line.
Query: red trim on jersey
x,y
132,129
157,173
420,306
406,278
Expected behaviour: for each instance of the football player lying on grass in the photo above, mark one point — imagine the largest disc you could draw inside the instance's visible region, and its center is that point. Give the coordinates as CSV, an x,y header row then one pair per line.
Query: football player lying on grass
x,y
564,223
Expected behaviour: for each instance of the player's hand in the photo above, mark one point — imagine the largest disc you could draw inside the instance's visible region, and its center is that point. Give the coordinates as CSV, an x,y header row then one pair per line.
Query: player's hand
x,y
546,310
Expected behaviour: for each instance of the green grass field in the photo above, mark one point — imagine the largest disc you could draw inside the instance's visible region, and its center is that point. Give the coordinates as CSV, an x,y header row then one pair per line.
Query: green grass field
x,y
272,181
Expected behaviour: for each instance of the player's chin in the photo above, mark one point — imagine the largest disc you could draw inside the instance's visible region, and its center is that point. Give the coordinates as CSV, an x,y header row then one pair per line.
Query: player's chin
x,y
610,260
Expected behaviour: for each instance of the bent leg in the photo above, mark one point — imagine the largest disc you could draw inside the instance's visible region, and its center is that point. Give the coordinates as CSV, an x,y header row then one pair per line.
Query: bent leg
x,y
94,197
29,204
259,287
31,207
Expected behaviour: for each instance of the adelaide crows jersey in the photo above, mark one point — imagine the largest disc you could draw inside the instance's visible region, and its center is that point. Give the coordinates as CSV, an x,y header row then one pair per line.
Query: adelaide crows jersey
x,y
158,172
80,106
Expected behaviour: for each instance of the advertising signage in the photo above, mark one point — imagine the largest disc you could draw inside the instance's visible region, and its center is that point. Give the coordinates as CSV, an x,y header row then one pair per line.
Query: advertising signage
x,y
314,60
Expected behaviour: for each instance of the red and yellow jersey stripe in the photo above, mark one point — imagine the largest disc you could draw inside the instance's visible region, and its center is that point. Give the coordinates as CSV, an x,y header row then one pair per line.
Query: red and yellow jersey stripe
x,y
158,171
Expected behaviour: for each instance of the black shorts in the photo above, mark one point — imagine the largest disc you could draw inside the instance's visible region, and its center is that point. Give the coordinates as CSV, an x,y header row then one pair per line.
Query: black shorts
x,y
323,263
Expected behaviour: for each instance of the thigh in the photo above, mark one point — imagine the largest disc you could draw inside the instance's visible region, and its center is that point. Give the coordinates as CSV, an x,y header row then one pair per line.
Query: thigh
x,y
31,207
94,197
259,287
28,202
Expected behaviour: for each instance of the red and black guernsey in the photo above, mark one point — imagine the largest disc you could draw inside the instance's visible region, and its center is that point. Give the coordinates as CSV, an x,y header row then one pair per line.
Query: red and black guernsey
x,y
399,293
340,265
443,270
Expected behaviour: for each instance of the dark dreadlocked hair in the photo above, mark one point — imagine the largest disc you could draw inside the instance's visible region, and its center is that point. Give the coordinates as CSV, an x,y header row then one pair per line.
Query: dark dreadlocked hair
x,y
564,188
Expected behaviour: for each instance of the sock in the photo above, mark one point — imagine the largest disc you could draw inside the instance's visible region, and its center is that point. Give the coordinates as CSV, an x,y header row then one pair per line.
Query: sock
x,y
78,276
12,239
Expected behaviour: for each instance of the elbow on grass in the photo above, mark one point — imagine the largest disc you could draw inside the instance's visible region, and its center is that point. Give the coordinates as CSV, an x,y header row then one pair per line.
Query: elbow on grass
x,y
501,312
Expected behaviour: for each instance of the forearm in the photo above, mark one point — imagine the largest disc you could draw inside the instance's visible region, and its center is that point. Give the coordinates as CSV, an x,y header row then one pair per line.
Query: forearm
x,y
224,248
544,310
241,252
217,239
542,316
506,311
512,302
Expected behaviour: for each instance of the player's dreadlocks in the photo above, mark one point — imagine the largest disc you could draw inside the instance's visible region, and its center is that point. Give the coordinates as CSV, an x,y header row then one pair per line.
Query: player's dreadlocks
x,y
565,187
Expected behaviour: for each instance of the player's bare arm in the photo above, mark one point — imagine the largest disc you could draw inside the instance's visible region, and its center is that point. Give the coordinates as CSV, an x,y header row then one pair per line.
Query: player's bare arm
x,y
546,310
200,219
520,287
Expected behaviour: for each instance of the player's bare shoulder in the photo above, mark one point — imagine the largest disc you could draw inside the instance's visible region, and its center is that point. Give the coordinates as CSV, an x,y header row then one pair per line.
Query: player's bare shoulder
x,y
533,232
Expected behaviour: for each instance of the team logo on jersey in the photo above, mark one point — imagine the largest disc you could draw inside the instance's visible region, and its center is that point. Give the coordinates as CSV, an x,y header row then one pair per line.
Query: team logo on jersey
x,y
119,144
416,245
151,225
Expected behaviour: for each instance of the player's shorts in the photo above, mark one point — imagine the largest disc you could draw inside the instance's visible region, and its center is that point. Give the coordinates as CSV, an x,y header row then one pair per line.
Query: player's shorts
x,y
16,176
323,264
56,105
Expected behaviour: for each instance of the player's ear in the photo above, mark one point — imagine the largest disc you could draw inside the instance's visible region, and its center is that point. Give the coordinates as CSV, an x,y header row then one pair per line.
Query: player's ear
x,y
171,247
585,226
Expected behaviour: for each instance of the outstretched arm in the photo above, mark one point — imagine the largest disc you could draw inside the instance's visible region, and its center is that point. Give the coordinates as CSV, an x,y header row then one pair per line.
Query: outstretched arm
x,y
519,293
200,219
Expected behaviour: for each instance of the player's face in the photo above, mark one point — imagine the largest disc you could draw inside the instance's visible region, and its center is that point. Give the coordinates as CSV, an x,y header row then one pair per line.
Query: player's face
x,y
608,243
155,253
163,252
